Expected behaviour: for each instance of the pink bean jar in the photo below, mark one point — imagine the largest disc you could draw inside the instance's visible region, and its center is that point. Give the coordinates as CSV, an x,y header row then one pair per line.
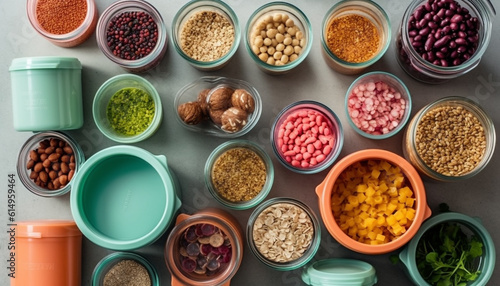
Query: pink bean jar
x,y
378,105
307,137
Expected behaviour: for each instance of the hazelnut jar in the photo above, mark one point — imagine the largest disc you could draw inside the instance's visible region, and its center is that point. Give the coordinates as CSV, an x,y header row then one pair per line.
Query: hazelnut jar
x,y
218,106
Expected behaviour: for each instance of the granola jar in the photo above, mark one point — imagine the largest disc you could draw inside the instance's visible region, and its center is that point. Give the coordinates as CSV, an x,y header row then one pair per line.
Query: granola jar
x,y
217,240
449,164
297,226
216,50
429,69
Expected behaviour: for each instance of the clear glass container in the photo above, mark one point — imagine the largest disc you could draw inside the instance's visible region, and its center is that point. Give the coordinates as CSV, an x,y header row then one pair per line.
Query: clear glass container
x,y
333,122
414,64
147,62
368,10
305,256
70,39
33,143
393,82
221,149
208,84
221,220
111,260
410,138
192,8
300,20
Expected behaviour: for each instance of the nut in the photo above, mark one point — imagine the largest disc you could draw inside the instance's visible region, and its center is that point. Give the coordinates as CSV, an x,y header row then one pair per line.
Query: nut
x,y
216,116
190,112
243,100
202,100
233,119
220,98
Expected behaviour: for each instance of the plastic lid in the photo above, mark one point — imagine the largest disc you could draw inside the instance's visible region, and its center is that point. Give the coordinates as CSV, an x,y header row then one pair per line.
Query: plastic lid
x,y
47,228
339,272
31,63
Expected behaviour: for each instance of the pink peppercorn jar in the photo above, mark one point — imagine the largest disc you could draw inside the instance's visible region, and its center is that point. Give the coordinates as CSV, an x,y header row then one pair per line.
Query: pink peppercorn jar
x,y
231,258
139,57
378,105
303,144
427,69
65,39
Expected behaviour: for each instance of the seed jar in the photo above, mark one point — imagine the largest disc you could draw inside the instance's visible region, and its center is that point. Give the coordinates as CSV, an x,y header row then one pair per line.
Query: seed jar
x,y
450,119
117,267
47,163
205,248
66,25
47,253
121,18
46,93
440,40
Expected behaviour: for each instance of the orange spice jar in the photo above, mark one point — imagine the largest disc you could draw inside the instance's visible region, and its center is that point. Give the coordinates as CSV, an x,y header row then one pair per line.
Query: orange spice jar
x,y
64,23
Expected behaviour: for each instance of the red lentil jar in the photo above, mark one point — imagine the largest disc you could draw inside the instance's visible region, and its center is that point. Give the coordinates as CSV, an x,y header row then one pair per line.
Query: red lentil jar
x,y
64,23
132,34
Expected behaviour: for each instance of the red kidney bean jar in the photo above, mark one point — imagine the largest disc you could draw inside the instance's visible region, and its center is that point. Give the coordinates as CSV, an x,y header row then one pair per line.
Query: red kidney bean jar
x,y
440,40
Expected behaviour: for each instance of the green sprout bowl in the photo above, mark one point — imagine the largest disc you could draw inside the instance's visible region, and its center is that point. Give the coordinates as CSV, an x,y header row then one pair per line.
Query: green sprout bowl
x,y
127,108
450,249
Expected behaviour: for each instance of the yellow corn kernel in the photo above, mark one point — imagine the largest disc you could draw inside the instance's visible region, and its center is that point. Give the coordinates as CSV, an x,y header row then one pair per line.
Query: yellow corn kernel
x,y
381,220
380,237
399,215
353,200
410,214
391,220
361,197
406,191
375,173
378,199
362,233
370,192
364,215
348,207
410,202
385,165
364,207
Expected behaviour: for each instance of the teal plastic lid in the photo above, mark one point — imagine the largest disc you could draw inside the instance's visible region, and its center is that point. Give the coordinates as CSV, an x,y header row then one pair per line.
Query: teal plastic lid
x,y
32,63
124,197
339,272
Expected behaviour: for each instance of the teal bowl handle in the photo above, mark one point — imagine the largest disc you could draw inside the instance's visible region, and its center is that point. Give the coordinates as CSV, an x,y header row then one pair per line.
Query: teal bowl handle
x,y
163,160
403,256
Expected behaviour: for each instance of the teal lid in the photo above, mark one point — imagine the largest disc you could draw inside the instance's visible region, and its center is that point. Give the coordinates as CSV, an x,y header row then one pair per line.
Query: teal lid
x,y
339,272
32,63
124,197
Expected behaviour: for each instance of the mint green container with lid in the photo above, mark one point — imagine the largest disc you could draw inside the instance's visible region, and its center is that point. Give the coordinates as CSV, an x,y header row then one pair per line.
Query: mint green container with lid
x,y
46,93
339,272
124,197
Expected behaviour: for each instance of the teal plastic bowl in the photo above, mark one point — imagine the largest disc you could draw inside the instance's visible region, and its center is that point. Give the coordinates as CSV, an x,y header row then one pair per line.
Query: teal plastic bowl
x,y
470,225
124,197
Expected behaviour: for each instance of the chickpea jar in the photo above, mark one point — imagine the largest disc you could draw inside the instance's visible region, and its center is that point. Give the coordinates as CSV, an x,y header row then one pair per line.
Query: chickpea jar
x,y
440,40
449,140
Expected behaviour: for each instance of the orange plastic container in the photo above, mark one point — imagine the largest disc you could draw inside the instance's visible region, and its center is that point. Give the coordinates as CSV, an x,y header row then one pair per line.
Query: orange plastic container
x,y
220,219
48,253
324,192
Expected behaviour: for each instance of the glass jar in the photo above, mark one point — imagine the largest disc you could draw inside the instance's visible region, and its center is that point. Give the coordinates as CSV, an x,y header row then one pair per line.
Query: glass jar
x,y
411,141
367,9
302,222
142,64
193,8
301,23
33,145
423,70
117,261
222,221
68,39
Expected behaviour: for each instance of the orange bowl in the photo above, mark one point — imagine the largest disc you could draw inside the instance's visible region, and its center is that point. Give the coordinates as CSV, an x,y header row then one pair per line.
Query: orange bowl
x,y
325,191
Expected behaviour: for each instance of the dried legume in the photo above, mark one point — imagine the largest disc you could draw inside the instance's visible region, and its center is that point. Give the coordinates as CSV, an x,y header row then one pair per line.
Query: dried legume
x,y
353,38
443,33
239,174
283,232
277,40
372,202
305,138
61,17
375,107
204,249
127,272
52,164
130,111
132,35
450,140
207,36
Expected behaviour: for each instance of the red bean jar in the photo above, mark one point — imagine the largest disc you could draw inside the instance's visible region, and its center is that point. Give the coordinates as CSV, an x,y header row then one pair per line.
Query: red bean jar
x,y
440,40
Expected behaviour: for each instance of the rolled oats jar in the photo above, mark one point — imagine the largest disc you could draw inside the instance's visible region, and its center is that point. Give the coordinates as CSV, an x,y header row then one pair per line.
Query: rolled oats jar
x,y
450,139
284,221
